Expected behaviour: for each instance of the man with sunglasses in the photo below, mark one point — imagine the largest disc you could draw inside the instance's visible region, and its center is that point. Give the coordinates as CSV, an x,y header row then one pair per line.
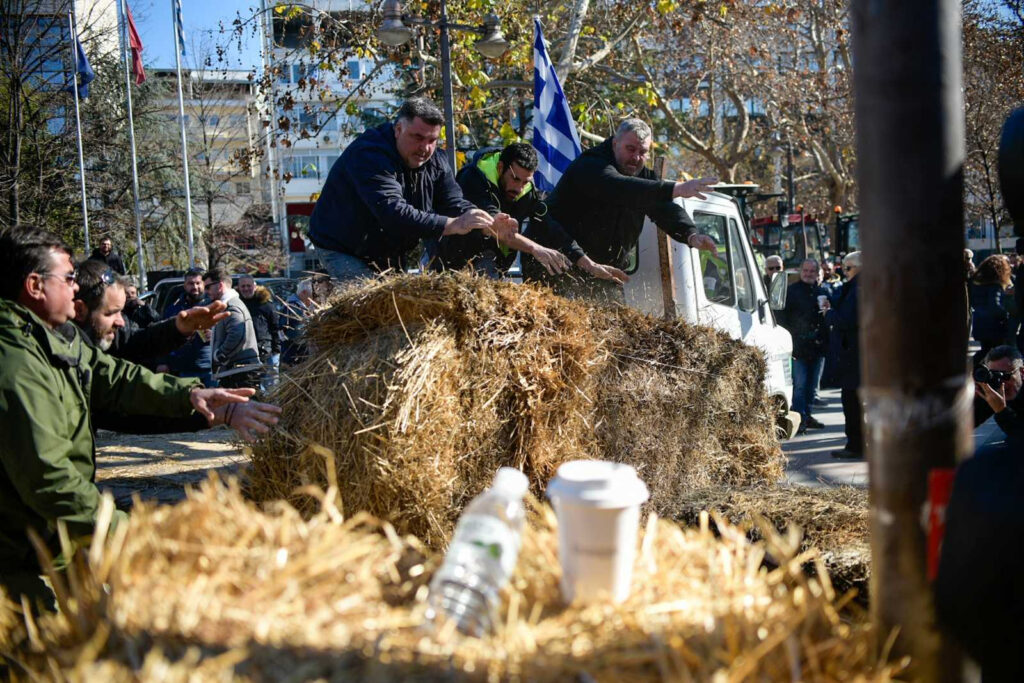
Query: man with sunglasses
x,y
772,264
501,181
51,381
842,316
99,312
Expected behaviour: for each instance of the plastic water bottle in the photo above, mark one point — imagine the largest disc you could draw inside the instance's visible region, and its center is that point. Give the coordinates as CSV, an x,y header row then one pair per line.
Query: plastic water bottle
x,y
482,556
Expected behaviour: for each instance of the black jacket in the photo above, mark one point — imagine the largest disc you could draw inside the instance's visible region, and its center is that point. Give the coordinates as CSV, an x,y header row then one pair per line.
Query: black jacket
x,y
1011,420
264,322
479,182
604,210
843,319
113,260
139,313
375,208
805,321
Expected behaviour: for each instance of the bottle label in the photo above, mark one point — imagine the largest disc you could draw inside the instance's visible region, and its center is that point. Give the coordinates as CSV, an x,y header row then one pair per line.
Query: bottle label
x,y
488,536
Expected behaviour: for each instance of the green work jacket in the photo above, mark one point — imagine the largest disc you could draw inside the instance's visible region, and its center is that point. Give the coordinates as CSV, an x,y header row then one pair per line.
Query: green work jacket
x,y
51,381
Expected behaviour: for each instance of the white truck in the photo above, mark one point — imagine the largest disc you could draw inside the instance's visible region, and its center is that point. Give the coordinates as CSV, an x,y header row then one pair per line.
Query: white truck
x,y
724,290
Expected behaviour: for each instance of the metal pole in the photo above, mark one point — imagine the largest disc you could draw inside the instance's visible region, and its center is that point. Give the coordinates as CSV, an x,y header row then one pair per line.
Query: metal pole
x,y
184,142
446,86
281,225
78,127
125,53
910,151
789,174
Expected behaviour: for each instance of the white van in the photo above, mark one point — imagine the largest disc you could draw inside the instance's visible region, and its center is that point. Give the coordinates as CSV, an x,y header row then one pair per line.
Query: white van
x,y
724,291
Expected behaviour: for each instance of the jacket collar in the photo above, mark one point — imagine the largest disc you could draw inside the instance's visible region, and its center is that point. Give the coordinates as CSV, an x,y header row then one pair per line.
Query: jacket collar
x,y
63,343
488,165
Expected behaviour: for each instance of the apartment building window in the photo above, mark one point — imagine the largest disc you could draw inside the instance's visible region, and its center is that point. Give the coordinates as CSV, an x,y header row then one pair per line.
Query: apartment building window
x,y
355,69
303,166
243,188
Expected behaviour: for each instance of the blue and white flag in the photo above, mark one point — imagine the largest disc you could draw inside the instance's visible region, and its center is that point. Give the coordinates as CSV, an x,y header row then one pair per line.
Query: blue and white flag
x,y
554,133
179,26
83,75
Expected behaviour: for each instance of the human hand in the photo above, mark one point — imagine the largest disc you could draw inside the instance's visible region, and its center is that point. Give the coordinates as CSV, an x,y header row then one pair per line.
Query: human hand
x,y
205,401
248,419
553,261
602,272
694,188
705,242
995,398
200,318
504,228
474,219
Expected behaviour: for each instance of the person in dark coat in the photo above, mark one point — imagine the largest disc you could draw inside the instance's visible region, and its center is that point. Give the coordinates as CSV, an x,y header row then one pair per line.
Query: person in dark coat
x,y
193,358
1004,399
602,200
501,181
386,192
804,318
99,306
105,252
843,318
989,298
140,313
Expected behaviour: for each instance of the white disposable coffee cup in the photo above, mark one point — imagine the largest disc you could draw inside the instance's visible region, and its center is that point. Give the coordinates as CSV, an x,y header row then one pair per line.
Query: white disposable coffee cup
x,y
822,300
598,509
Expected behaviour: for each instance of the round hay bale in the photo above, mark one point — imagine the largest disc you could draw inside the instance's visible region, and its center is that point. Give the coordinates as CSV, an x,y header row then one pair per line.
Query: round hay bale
x,y
832,519
420,388
215,589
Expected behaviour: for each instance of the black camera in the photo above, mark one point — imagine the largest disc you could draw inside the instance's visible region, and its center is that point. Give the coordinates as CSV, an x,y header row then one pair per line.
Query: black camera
x,y
993,378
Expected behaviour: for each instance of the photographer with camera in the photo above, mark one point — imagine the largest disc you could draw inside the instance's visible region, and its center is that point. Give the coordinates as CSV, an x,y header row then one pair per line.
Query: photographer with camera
x,y
997,389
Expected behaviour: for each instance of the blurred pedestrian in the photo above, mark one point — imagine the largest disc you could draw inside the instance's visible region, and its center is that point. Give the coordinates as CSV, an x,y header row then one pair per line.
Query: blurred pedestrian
x,y
989,298
259,301
804,318
772,264
293,322
105,252
136,310
843,318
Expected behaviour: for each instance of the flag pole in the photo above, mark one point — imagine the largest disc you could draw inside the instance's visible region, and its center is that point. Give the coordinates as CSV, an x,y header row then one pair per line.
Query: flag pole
x,y
125,51
78,127
178,47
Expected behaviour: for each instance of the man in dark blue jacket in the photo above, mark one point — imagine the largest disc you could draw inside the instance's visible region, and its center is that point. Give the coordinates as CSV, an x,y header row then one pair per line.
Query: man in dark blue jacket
x,y
386,192
193,358
843,318
603,198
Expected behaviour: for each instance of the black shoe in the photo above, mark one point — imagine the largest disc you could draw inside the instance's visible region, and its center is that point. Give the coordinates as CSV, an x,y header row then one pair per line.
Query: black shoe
x,y
845,454
813,424
802,429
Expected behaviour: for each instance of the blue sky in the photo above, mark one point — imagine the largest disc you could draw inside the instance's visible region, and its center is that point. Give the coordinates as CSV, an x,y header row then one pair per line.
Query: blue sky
x,y
202,20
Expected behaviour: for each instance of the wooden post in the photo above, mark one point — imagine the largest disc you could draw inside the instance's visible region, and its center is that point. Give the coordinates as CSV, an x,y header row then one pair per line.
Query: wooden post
x,y
668,278
910,155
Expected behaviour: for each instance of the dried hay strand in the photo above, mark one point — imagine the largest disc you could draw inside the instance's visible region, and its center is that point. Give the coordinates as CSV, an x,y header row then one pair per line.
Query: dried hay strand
x,y
216,589
423,386
833,519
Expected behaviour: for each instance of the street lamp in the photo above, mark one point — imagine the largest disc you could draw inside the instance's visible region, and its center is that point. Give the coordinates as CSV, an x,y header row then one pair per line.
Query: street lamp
x,y
394,30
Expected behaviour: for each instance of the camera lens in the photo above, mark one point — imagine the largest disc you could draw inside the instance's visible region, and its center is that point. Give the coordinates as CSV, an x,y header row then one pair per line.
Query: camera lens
x,y
982,375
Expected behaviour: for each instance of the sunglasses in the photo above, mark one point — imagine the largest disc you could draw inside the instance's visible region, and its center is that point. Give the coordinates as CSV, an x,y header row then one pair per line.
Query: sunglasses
x,y
773,269
107,278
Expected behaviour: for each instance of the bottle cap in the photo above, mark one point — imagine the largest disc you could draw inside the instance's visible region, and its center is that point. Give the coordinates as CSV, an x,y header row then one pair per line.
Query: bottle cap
x,y
511,482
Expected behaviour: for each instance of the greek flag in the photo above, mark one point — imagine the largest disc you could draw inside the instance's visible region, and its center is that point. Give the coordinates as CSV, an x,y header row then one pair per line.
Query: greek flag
x,y
554,133
179,26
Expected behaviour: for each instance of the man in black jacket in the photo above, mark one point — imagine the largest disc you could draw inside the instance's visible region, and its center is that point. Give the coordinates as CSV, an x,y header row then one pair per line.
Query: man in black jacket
x,y
501,181
386,192
804,318
602,200
106,254
99,306
843,317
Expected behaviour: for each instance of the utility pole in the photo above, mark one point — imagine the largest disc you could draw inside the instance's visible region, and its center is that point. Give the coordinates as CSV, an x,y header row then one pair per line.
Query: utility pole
x,y
910,151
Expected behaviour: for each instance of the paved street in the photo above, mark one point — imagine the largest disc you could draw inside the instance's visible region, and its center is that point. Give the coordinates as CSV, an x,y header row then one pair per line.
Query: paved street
x,y
810,461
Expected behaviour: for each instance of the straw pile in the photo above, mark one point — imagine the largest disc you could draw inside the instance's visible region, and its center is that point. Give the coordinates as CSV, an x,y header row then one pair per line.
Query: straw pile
x,y
423,386
833,519
215,589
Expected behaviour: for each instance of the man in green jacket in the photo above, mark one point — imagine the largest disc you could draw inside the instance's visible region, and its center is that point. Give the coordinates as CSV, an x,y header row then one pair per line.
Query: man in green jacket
x,y
51,382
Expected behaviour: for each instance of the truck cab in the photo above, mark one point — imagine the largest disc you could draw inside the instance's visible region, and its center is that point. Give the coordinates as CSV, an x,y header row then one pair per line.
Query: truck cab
x,y
725,290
